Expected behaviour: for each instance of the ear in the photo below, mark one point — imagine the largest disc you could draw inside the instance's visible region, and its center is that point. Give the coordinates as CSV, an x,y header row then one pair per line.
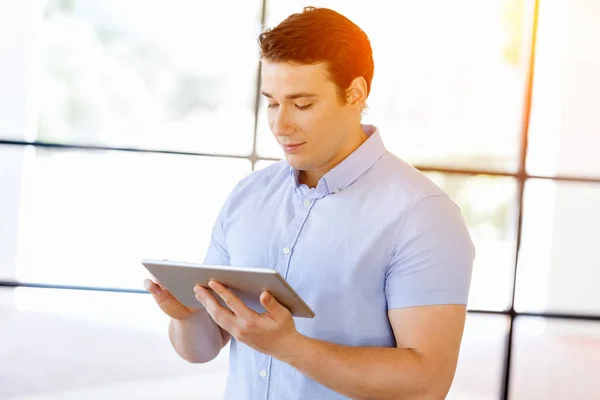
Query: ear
x,y
356,94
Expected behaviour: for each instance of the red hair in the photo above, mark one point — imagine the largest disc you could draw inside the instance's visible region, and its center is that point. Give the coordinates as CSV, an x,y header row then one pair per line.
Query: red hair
x,y
321,35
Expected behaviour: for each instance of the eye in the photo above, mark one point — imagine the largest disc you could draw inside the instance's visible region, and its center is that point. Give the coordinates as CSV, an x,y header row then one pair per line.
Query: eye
x,y
306,107
272,105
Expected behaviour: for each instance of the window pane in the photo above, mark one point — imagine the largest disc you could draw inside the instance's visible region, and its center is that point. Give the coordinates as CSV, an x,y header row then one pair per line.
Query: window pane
x,y
555,359
138,358
480,364
88,218
11,172
559,265
448,86
488,205
65,344
564,134
260,164
18,20
150,74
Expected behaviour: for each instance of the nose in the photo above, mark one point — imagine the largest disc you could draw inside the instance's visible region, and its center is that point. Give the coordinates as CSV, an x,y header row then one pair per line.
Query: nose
x,y
281,124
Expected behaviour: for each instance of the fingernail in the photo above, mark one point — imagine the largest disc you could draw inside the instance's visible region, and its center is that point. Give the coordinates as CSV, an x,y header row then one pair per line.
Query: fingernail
x,y
147,285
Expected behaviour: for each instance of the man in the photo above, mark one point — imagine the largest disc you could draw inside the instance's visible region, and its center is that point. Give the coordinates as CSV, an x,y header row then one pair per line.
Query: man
x,y
379,252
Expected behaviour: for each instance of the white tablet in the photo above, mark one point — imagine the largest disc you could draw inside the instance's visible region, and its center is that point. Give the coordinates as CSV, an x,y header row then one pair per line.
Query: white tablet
x,y
247,283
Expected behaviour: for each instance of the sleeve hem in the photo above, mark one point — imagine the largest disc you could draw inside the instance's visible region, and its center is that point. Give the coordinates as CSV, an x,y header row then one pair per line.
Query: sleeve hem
x,y
438,297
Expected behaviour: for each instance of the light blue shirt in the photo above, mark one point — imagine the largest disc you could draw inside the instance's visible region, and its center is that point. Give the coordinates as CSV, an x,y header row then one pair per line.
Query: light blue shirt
x,y
374,235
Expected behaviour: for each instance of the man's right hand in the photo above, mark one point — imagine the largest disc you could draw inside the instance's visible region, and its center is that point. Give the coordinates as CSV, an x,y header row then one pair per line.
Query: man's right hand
x,y
167,302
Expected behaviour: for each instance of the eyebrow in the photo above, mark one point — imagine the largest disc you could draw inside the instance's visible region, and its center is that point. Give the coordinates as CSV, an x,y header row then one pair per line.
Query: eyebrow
x,y
291,96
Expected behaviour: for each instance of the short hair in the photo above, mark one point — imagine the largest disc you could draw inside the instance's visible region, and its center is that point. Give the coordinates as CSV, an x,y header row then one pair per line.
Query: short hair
x,y
321,35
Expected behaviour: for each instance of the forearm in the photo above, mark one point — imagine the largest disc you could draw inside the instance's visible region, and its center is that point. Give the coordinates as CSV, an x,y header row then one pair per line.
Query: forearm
x,y
197,339
365,372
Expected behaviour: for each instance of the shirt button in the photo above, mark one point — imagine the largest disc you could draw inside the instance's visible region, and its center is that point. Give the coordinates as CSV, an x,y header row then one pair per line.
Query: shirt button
x,y
263,374
336,190
286,250
307,203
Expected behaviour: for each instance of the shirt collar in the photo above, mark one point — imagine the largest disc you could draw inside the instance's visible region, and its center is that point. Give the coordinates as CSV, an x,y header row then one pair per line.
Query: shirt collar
x,y
352,167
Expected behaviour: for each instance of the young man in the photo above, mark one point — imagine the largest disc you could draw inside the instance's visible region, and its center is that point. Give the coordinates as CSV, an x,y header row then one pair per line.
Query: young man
x,y
380,253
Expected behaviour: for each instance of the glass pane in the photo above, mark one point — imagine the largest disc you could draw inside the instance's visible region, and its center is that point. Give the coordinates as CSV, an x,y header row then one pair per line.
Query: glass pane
x,y
260,164
488,205
18,21
559,265
564,134
95,345
448,86
11,175
88,218
150,74
480,364
555,359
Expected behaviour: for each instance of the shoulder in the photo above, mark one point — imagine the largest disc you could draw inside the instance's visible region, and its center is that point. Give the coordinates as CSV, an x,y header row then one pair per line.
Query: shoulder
x,y
255,182
396,181
422,207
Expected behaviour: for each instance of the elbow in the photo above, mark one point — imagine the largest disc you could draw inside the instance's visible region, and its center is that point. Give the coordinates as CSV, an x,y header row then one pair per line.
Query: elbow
x,y
193,355
435,388
194,358
425,393
433,385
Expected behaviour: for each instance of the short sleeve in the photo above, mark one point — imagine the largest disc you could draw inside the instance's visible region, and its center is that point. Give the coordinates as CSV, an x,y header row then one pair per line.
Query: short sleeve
x,y
217,250
217,253
432,258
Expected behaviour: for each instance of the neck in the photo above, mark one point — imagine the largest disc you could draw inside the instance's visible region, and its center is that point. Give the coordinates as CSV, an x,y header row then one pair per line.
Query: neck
x,y
312,177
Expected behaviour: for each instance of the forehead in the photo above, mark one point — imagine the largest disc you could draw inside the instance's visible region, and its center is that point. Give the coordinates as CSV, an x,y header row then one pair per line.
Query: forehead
x,y
280,78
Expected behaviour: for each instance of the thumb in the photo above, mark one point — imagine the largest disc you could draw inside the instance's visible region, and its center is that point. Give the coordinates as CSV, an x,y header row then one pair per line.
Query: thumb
x,y
157,291
272,305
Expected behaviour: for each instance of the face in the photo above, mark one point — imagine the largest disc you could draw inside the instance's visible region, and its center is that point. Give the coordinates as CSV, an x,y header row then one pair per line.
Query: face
x,y
308,118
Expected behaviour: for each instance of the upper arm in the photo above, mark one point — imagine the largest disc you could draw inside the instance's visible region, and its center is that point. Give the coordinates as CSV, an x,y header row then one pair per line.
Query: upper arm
x,y
427,285
435,333
432,257
217,253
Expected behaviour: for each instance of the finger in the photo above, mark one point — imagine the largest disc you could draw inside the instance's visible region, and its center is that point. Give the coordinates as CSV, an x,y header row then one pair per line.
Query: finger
x,y
273,307
157,282
152,287
221,315
233,302
159,293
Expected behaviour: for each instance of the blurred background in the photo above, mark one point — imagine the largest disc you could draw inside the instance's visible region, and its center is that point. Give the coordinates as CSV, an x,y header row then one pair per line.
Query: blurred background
x,y
125,124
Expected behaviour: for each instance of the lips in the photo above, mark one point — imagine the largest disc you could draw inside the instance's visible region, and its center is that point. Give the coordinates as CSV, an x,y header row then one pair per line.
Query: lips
x,y
290,148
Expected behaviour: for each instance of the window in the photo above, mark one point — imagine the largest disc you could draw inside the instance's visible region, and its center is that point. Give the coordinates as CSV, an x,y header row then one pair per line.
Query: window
x,y
555,359
146,74
564,132
124,126
442,100
91,216
559,266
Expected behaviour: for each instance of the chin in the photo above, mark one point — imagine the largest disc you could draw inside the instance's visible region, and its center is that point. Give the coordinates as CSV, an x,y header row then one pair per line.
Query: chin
x,y
297,162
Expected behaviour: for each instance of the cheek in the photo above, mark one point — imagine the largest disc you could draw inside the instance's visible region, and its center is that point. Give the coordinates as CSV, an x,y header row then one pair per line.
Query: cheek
x,y
320,126
270,118
316,120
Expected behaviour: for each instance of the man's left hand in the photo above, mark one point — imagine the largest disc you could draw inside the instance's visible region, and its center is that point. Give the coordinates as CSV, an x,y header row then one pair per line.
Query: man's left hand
x,y
272,332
